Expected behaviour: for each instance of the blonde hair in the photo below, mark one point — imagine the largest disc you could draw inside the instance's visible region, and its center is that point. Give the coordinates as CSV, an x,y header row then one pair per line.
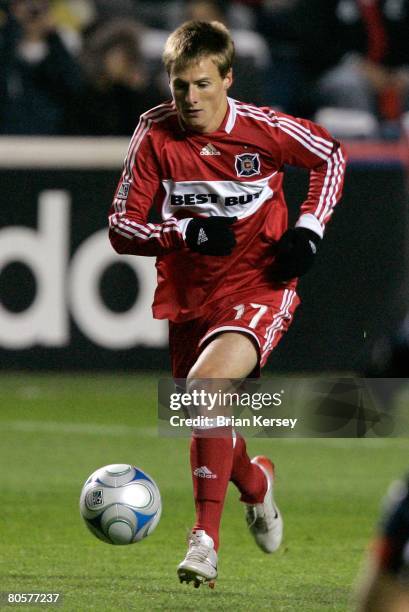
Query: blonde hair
x,y
194,40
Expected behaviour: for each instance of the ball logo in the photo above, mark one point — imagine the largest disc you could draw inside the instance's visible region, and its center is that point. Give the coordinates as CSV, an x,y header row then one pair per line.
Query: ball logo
x,y
95,499
247,164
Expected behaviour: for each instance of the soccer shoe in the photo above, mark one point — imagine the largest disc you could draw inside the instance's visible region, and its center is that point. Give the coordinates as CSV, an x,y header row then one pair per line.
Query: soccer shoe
x,y
264,519
200,564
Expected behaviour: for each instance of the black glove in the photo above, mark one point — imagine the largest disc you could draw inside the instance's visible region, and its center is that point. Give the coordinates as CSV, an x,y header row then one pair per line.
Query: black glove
x,y
295,253
211,235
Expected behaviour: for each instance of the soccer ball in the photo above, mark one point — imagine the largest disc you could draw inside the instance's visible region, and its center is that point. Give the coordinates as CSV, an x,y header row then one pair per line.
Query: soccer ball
x,y
120,504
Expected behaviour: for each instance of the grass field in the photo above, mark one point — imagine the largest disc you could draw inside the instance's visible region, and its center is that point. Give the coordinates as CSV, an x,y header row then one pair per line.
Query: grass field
x,y
55,430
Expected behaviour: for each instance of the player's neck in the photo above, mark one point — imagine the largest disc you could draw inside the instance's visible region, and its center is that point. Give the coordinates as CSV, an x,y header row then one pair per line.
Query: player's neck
x,y
218,118
216,121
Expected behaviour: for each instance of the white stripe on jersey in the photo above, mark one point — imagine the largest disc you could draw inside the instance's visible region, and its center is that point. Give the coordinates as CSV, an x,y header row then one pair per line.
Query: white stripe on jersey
x,y
248,113
326,204
277,318
168,222
150,226
130,232
159,113
232,116
118,222
277,323
143,120
295,127
118,231
151,119
301,139
341,172
306,143
316,144
132,229
324,193
327,143
322,143
158,108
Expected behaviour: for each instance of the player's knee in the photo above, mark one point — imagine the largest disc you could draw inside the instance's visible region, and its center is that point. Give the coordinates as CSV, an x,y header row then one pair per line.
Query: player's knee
x,y
202,374
201,380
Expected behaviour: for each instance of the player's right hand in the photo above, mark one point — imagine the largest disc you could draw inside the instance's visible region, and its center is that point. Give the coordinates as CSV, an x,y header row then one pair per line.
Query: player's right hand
x,y
295,253
211,235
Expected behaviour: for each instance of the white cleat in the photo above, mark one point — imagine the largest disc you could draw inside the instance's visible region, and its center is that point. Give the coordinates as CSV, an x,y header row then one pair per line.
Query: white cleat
x,y
264,520
200,564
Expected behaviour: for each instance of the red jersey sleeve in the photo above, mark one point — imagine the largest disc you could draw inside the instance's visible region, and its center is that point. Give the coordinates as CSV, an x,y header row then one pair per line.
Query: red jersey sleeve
x,y
305,144
129,231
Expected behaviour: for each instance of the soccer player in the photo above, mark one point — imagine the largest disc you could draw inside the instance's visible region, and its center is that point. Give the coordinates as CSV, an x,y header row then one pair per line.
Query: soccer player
x,y
385,585
227,262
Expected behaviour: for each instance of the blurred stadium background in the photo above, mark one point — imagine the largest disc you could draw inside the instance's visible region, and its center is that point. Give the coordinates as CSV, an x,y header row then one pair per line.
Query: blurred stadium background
x,y
75,316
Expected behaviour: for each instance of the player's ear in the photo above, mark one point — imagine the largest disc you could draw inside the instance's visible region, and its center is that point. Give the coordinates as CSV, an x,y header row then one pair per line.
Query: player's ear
x,y
228,80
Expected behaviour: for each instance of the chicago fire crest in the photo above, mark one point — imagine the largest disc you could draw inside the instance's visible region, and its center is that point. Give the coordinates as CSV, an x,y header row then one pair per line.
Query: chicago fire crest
x,y
247,164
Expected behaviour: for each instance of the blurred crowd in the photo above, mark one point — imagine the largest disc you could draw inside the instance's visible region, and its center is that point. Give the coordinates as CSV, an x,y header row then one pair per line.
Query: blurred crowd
x,y
91,67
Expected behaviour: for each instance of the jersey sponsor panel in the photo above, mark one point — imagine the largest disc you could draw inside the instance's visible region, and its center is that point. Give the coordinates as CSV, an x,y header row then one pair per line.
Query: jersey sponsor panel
x,y
221,198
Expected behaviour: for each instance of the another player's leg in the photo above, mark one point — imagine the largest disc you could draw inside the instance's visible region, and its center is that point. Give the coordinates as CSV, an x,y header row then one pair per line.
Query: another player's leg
x,y
228,356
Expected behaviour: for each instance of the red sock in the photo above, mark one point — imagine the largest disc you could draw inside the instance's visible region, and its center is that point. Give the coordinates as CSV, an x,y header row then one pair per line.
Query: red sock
x,y
211,461
247,477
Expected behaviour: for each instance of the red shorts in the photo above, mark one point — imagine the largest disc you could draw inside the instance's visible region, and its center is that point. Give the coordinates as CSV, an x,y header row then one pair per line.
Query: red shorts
x,y
265,320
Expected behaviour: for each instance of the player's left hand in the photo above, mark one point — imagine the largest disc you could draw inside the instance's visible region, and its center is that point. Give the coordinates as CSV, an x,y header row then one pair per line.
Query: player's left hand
x,y
295,253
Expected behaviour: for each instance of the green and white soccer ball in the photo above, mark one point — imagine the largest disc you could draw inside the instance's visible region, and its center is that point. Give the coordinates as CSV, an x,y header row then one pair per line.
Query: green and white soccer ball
x,y
120,504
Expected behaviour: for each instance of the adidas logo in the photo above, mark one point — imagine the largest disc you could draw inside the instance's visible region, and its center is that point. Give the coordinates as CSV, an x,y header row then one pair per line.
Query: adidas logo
x,y
204,472
209,149
313,247
201,236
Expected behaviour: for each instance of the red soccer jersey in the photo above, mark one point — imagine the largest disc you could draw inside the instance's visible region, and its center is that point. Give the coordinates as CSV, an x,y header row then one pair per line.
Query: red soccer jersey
x,y
236,171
